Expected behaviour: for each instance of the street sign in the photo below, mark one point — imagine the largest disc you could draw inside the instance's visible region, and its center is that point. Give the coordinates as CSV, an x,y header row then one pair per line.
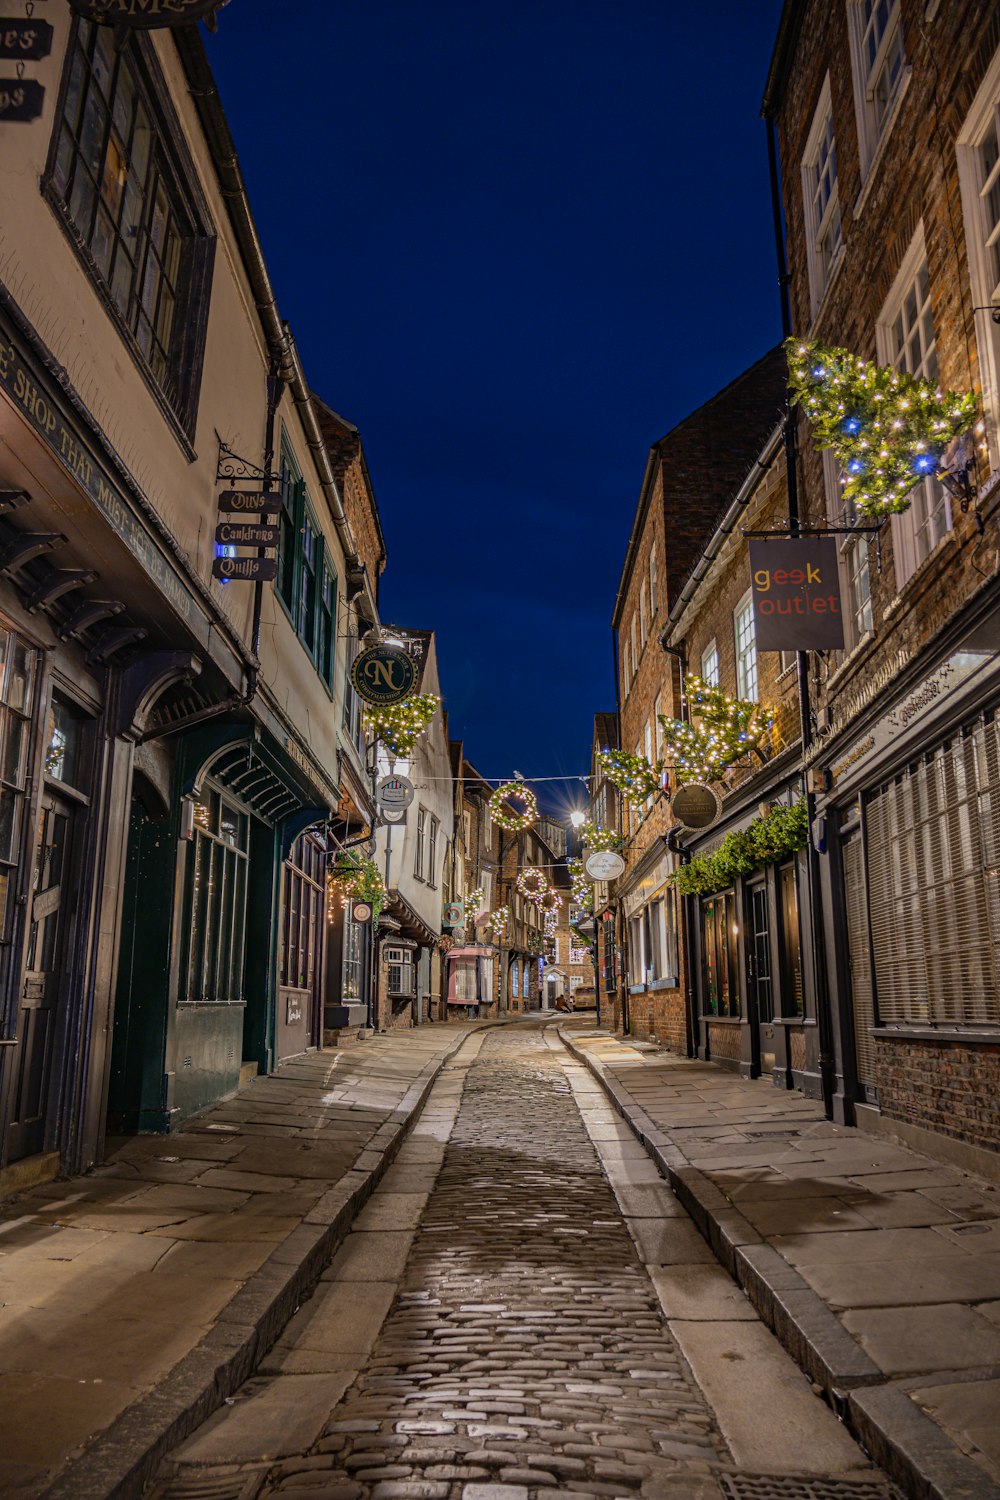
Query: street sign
x,y
383,674
361,912
250,501
24,40
146,14
394,794
604,864
246,569
696,805
796,594
246,534
21,99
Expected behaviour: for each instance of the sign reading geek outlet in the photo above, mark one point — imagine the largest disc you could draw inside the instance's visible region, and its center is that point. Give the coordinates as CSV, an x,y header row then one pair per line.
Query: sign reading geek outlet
x,y
796,594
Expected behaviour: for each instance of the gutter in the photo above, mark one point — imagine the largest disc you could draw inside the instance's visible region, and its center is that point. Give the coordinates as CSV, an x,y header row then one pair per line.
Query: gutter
x,y
785,43
725,529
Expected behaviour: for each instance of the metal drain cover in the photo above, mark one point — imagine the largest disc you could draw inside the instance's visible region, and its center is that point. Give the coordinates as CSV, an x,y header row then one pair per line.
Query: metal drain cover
x,y
804,1487
210,1484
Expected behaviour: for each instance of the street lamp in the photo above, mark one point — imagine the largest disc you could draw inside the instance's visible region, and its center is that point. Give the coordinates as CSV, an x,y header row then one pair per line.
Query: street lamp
x,y
578,818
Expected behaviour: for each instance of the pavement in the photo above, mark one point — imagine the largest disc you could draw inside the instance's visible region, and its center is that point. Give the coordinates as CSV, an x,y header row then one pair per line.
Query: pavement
x,y
878,1268
134,1300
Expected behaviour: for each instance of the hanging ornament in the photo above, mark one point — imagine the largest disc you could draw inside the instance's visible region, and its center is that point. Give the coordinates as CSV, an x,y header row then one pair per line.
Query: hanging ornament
x,y
532,884
496,923
726,730
633,775
549,902
594,837
474,902
507,816
400,725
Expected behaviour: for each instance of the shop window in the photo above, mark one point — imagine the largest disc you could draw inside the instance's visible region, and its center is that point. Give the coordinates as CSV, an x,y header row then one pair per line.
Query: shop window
x,y
67,743
636,951
302,922
18,672
115,175
216,903
759,952
720,950
792,992
352,963
400,971
306,582
515,981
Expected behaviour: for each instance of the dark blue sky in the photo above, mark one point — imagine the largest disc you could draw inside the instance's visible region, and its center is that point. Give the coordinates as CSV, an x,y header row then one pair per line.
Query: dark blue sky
x,y
516,243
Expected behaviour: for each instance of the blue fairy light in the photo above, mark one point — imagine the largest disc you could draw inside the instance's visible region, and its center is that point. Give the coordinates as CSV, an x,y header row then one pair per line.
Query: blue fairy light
x,y
924,463
852,424
855,466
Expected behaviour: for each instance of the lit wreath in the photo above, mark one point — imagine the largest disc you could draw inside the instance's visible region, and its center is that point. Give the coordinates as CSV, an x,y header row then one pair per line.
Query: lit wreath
x,y
551,901
502,813
533,885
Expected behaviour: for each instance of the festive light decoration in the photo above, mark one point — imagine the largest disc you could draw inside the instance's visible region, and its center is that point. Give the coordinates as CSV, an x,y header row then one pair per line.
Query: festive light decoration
x,y
550,923
633,775
726,729
354,877
594,837
474,903
582,892
496,923
549,901
400,725
886,428
505,815
782,831
532,884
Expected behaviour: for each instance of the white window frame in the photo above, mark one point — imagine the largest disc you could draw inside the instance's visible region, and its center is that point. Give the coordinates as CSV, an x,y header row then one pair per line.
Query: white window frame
x,y
632,637
853,558
658,727
648,752
984,111
821,150
747,674
913,531
710,663
653,601
418,843
643,612
871,129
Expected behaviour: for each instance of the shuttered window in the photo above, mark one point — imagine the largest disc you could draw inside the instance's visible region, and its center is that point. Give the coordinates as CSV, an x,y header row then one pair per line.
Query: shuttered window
x,y
859,943
933,847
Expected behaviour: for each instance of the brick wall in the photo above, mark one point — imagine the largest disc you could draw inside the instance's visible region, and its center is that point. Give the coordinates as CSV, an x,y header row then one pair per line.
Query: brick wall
x,y
944,1086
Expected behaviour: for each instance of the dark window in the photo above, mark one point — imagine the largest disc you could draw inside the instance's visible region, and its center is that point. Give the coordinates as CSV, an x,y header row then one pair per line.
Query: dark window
x,y
18,664
303,925
792,1003
217,887
759,952
306,581
720,936
113,173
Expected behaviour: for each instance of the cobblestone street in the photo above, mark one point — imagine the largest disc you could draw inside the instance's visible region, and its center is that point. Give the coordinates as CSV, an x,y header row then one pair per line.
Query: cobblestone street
x,y
525,1350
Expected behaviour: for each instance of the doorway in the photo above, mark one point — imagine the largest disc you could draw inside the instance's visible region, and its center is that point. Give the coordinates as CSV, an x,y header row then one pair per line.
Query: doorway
x,y
760,975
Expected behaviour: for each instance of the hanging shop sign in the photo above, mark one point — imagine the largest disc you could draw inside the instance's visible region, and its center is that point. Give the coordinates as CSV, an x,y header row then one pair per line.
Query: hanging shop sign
x,y
696,805
24,40
21,99
146,14
383,674
245,569
394,794
252,502
361,912
796,593
604,864
246,534
453,913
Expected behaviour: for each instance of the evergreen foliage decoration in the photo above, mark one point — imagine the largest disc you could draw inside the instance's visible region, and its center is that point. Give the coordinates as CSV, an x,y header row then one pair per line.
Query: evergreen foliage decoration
x,y
532,884
496,923
507,816
782,831
354,877
474,902
725,729
594,837
886,428
549,901
582,892
400,725
633,775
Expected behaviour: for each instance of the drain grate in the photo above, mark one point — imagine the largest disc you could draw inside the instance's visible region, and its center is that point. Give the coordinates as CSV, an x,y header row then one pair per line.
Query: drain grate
x,y
802,1487
210,1484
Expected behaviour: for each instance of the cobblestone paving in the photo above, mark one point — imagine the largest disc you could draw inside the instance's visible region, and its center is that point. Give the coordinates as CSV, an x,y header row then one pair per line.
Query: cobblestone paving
x,y
526,1352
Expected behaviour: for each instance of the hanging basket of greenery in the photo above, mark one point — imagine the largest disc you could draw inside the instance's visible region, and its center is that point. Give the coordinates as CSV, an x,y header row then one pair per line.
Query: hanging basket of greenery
x,y
722,730
781,832
633,775
887,429
355,877
496,924
400,725
594,837
582,892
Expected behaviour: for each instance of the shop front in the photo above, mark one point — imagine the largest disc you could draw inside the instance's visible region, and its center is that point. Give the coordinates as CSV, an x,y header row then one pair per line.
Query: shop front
x,y
470,980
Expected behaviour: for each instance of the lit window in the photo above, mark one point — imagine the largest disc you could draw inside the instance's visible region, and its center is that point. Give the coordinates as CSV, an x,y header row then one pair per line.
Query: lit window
x,y
746,649
821,198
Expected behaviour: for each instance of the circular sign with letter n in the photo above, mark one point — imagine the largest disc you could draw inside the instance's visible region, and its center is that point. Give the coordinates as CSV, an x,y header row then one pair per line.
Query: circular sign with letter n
x,y
383,674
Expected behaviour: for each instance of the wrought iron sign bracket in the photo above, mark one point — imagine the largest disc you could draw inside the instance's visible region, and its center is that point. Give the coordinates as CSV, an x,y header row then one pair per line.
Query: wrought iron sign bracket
x,y
232,466
784,533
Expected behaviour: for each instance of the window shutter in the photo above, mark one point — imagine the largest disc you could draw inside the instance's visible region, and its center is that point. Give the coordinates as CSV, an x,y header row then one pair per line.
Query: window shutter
x,y
855,900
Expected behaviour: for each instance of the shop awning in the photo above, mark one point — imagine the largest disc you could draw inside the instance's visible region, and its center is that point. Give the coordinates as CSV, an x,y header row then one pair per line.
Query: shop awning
x,y
469,953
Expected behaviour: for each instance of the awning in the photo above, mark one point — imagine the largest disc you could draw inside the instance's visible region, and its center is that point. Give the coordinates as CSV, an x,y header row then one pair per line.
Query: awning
x,y
469,953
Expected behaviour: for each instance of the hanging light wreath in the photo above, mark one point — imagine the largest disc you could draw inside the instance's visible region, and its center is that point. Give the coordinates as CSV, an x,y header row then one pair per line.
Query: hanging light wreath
x,y
594,837
502,813
533,885
496,924
549,901
633,775
582,893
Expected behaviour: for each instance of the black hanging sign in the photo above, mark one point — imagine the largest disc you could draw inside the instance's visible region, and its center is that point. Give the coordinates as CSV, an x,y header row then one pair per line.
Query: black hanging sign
x,y
245,569
383,674
21,99
253,502
796,594
146,14
24,40
246,534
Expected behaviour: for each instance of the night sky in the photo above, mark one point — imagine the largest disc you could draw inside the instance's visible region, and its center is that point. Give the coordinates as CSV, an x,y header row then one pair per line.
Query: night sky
x,y
516,244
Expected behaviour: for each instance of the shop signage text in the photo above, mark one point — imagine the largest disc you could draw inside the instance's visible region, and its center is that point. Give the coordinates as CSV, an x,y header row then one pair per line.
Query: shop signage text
x,y
23,40
250,501
796,594
394,793
21,99
246,569
696,805
246,534
604,864
145,13
383,674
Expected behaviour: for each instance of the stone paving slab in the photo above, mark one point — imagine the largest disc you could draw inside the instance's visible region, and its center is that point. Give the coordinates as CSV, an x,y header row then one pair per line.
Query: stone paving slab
x,y
134,1299
877,1266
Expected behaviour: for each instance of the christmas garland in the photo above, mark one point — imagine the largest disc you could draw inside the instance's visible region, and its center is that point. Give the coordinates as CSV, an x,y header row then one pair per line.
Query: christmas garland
x,y
886,428
549,901
726,729
501,811
496,923
532,884
355,877
633,775
782,831
594,838
582,892
400,725
473,902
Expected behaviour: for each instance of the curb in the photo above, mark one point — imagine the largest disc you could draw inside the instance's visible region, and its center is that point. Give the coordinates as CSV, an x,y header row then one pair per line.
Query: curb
x,y
124,1458
912,1449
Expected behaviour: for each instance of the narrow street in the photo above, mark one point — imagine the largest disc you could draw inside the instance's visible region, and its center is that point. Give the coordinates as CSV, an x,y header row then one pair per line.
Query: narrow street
x,y
522,1309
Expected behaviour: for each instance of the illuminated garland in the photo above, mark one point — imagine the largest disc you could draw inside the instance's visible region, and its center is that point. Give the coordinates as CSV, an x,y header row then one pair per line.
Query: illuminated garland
x,y
474,902
533,885
354,877
727,729
496,923
550,923
594,837
400,725
887,429
582,892
502,813
780,832
633,775
549,902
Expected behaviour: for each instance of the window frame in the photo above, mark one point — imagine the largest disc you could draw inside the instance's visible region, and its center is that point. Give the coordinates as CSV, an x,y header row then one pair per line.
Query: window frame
x,y
744,689
872,131
983,112
420,828
852,557
710,651
183,187
297,512
821,264
432,842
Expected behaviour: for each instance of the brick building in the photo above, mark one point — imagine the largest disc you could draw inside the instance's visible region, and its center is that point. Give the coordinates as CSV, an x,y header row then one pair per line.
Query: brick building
x,y
886,119
470,981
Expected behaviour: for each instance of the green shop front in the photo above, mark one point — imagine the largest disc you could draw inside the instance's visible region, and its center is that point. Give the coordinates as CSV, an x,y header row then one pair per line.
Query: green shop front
x,y
222,961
